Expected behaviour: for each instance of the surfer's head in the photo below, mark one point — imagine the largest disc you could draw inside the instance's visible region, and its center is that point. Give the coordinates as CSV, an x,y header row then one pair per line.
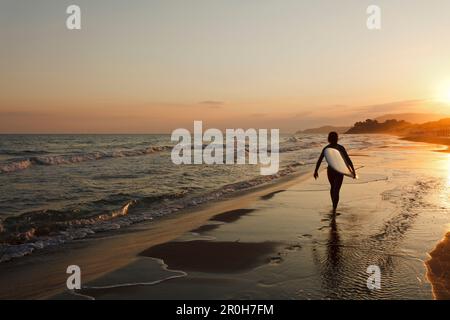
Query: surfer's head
x,y
333,137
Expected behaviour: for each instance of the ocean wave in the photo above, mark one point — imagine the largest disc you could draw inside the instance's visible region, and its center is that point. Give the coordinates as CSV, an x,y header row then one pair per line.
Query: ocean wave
x,y
21,152
21,235
16,166
25,163
48,160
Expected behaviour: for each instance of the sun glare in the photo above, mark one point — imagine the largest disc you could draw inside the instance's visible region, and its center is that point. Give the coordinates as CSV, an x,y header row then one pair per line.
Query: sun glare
x,y
446,96
443,92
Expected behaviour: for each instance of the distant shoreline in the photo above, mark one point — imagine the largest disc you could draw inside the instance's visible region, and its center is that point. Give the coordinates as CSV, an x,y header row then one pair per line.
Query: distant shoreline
x,y
427,139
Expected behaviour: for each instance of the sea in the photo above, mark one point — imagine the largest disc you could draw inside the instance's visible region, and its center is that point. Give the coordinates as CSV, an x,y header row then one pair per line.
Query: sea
x,y
60,188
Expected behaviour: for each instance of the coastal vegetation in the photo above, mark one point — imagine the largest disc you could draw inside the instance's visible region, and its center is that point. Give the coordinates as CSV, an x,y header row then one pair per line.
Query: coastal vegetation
x,y
440,128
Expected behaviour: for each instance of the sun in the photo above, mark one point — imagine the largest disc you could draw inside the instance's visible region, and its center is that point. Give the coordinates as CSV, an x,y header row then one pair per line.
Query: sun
x,y
443,92
445,95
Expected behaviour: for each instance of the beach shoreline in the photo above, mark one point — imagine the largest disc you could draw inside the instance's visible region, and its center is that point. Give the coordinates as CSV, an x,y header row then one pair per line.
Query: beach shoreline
x,y
293,248
444,141
28,278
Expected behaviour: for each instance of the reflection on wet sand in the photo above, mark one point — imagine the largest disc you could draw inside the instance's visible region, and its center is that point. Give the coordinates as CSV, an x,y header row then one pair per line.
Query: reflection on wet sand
x,y
333,263
345,259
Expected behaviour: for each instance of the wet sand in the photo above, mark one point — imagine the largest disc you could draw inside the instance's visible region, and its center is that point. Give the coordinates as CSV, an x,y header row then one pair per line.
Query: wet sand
x,y
280,242
43,274
231,216
212,256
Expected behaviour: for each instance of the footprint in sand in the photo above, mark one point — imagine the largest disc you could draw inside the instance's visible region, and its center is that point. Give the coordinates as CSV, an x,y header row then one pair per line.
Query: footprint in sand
x,y
275,260
294,247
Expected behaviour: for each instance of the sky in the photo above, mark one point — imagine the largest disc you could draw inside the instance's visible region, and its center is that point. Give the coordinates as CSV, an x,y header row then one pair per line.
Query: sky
x,y
151,66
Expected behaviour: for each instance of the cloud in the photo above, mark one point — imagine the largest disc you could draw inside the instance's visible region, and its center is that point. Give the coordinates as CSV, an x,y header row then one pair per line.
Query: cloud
x,y
212,103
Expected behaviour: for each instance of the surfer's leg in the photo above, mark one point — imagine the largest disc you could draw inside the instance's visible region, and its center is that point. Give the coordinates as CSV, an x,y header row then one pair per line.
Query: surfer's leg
x,y
332,179
338,184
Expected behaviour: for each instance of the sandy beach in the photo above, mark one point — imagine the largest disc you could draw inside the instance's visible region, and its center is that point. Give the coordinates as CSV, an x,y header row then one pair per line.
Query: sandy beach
x,y
276,242
195,155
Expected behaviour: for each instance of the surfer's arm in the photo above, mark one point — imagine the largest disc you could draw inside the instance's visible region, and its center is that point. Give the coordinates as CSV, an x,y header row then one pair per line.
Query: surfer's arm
x,y
348,160
319,161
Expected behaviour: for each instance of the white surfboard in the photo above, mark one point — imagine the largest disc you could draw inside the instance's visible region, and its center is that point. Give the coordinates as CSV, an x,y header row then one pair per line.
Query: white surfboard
x,y
337,162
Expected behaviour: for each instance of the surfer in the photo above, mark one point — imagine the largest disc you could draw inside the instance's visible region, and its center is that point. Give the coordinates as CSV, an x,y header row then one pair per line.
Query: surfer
x,y
334,177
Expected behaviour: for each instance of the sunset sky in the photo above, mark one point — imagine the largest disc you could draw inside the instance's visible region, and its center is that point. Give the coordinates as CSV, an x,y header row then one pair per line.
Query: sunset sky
x,y
151,66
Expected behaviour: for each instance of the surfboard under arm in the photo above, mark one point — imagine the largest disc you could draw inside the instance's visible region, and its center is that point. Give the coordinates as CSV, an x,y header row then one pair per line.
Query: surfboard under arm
x,y
337,162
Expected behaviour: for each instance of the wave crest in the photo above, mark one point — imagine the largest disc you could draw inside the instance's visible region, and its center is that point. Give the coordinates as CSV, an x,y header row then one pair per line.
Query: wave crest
x,y
25,163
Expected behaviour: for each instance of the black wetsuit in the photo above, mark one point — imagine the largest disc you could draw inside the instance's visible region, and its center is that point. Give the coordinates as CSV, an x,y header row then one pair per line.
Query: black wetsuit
x,y
335,178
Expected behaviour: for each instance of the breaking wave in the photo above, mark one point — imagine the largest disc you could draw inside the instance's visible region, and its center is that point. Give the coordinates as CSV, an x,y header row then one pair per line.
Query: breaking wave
x,y
47,160
25,163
